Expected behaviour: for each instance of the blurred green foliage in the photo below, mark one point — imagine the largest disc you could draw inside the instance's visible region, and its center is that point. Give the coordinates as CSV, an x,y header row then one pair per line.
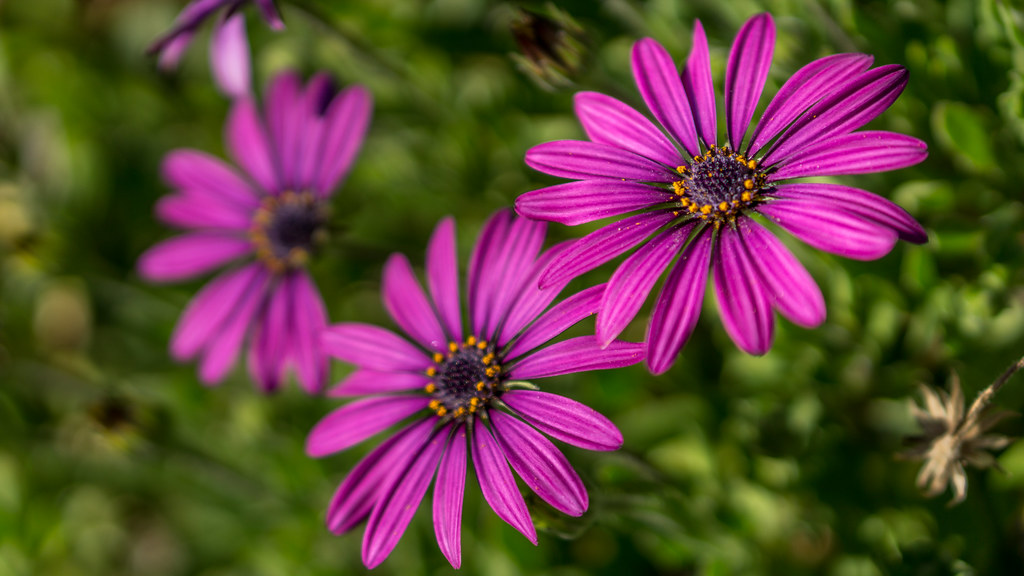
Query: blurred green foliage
x,y
114,460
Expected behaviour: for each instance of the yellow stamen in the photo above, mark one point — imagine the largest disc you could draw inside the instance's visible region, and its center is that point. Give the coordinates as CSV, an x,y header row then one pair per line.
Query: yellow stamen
x,y
438,357
471,341
453,346
431,371
752,164
706,209
430,388
724,206
748,184
746,196
480,386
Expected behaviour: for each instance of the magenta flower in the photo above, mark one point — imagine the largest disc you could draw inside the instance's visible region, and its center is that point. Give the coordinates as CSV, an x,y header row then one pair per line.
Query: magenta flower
x,y
229,53
467,391
264,221
696,199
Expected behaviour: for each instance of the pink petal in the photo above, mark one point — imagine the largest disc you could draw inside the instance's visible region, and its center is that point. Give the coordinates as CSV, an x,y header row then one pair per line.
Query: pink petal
x,y
791,289
443,277
576,355
831,229
859,203
678,306
582,160
248,144
662,90
347,119
211,306
358,493
364,382
197,210
744,306
749,61
855,153
584,201
699,86
199,174
191,255
497,484
448,492
805,88
633,280
372,347
229,57
400,499
352,423
558,319
408,305
309,319
222,350
609,121
601,246
564,419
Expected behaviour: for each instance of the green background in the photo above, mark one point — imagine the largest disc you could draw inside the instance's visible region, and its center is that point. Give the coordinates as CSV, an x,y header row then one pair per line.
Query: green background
x,y
115,460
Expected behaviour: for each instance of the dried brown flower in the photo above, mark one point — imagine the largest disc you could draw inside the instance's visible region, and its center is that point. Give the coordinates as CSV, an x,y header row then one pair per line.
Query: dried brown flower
x,y
949,440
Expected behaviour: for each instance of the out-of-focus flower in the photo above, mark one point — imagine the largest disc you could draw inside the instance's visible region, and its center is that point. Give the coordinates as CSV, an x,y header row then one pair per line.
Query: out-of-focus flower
x,y
229,50
465,391
268,218
949,440
551,46
694,199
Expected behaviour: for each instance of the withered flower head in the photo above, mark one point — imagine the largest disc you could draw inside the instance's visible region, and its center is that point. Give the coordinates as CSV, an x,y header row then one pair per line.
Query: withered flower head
x,y
551,46
949,440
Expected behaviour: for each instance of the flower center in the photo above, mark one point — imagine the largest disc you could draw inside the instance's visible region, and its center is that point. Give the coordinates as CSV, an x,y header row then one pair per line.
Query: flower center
x,y
465,379
719,184
286,228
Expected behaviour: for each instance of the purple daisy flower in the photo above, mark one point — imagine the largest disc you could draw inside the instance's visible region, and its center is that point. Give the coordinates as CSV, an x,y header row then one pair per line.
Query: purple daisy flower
x,y
229,53
467,391
695,199
267,218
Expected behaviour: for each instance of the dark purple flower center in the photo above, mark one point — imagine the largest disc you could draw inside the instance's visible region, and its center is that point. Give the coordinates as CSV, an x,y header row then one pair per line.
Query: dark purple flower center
x,y
465,379
719,184
286,228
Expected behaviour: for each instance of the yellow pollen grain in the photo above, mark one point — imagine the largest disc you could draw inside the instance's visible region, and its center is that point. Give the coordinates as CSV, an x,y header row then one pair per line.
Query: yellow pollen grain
x,y
723,206
487,359
481,344
745,197
471,341
748,184
434,404
752,164
491,372
706,209
682,169
438,357
431,371
692,208
480,386
442,411
430,388
453,346
474,401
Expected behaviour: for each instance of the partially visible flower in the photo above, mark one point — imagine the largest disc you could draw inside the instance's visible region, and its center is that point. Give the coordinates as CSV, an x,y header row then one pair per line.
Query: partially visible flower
x,y
949,441
465,391
695,200
266,219
229,53
551,47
